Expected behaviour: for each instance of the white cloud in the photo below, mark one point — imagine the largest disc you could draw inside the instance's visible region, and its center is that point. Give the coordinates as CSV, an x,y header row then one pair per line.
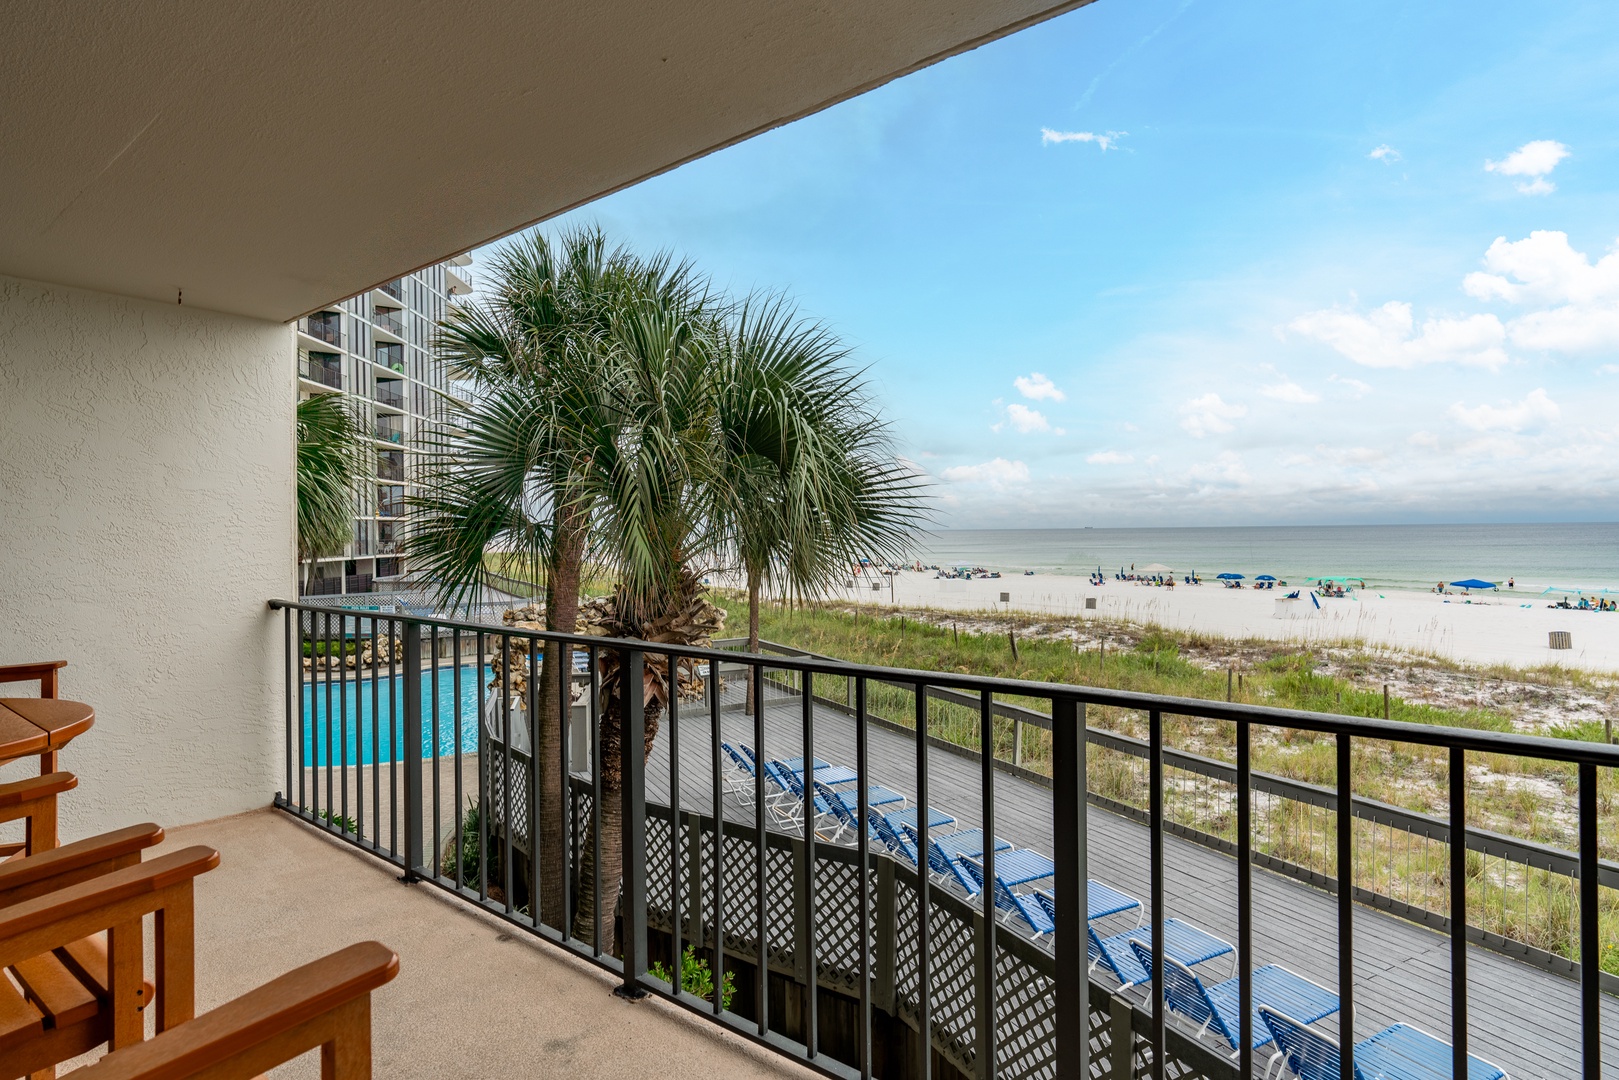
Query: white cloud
x,y
1608,369
998,473
1537,159
1036,387
1386,154
1533,412
1387,337
1291,392
1361,389
1025,419
1110,457
1209,415
1424,438
1106,140
1544,269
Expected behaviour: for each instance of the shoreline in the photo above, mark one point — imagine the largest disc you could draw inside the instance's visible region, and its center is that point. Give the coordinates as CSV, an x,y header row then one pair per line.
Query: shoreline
x,y
1504,627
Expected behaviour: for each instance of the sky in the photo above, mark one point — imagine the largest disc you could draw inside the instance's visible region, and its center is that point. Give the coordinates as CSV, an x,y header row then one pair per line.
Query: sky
x,y
1174,262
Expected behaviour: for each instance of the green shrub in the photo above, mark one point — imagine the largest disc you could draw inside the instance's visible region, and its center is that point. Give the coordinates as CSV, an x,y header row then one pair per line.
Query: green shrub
x,y
696,977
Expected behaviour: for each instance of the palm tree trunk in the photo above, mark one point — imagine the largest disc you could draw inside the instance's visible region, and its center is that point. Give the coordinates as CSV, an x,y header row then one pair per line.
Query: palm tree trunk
x,y
589,923
556,683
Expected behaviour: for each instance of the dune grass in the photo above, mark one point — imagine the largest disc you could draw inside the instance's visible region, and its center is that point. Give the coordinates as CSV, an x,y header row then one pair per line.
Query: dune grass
x,y
1529,798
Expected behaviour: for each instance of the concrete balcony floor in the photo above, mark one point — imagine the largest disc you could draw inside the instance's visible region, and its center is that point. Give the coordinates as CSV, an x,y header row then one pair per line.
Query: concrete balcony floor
x,y
473,996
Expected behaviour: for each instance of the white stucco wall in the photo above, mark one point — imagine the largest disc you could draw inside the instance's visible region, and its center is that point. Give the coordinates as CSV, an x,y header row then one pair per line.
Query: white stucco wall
x,y
146,483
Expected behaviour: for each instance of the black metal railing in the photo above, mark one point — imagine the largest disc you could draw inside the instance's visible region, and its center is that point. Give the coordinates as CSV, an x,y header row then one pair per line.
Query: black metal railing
x,y
321,368
391,392
395,289
390,465
388,320
486,800
327,327
390,429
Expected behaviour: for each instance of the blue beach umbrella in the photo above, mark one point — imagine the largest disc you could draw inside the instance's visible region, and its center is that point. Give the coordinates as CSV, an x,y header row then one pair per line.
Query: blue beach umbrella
x,y
1228,576
1264,577
1472,583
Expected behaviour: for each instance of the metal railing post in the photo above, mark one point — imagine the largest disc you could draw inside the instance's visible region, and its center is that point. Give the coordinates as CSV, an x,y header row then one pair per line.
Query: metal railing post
x,y
633,772
1072,1025
411,749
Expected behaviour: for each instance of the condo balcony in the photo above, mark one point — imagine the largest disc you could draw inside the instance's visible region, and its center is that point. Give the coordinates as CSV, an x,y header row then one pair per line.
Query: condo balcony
x,y
875,897
388,320
390,393
323,368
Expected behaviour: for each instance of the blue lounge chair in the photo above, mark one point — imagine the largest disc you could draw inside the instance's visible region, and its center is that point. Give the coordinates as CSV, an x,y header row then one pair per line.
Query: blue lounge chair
x,y
1019,905
1218,1007
906,820
1398,1052
845,805
898,843
1101,900
738,779
948,852
789,806
1182,940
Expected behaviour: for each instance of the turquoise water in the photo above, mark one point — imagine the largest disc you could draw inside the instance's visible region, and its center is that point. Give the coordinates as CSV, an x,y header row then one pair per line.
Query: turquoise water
x,y
347,719
1582,556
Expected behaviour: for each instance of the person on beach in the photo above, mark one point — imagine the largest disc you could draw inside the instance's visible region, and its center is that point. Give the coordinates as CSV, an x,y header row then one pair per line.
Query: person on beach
x,y
1511,584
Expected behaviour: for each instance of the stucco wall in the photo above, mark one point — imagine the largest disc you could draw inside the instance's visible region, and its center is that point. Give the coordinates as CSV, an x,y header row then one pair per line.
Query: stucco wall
x,y
146,476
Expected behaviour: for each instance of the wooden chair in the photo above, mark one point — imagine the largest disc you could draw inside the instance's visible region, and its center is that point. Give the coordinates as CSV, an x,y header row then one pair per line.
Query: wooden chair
x,y
325,1004
44,673
81,990
33,802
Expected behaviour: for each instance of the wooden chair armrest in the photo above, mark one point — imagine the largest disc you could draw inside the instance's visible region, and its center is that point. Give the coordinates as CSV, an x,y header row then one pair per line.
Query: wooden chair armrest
x,y
70,864
56,918
275,1023
36,787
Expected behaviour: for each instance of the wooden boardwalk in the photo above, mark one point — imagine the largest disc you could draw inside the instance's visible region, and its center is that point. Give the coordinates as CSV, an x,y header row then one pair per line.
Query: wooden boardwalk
x,y
1523,1018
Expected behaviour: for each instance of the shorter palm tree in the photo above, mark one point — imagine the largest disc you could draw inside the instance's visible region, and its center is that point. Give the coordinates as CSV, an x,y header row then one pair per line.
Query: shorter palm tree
x,y
331,464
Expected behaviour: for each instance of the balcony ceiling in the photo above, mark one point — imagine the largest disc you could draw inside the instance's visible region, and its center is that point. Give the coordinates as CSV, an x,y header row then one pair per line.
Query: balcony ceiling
x,y
267,159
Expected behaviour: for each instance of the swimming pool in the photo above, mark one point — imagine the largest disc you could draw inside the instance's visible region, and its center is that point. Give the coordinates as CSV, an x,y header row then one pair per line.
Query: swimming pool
x,y
338,716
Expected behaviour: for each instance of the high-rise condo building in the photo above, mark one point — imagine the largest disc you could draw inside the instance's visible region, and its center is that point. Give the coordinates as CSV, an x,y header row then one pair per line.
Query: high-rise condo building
x,y
377,348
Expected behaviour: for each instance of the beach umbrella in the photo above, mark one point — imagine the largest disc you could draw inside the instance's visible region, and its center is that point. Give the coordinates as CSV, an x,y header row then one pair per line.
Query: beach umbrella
x,y
1264,577
1472,583
1228,576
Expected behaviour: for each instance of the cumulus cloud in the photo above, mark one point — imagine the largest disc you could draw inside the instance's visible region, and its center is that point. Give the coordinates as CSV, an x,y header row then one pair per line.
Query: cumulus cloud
x,y
1291,392
1036,387
1361,389
1209,415
1578,299
997,473
1106,140
1534,159
1387,337
1532,413
1025,419
1110,457
1385,153
1424,438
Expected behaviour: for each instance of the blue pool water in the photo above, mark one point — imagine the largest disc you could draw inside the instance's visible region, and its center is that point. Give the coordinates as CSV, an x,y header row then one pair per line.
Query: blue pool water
x,y
340,715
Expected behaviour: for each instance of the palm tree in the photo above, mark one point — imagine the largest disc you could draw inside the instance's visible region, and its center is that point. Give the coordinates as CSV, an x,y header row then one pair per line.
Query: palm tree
x,y
331,464
812,484
507,478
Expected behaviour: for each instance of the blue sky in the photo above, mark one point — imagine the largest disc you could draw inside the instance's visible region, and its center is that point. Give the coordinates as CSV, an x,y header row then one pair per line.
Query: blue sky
x,y
1178,262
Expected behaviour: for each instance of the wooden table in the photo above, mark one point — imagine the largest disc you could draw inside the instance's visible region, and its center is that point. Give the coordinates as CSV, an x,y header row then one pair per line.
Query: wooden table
x,y
41,726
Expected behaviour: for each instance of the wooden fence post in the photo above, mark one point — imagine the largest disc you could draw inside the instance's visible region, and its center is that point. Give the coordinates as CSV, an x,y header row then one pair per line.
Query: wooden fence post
x,y
1122,1039
801,924
884,952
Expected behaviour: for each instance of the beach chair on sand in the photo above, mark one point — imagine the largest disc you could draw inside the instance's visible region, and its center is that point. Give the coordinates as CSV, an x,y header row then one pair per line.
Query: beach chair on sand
x,y
79,992
326,1004
1218,1008
1183,941
1398,1052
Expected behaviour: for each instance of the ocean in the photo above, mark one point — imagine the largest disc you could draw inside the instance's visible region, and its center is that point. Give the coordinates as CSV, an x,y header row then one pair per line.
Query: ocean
x,y
1582,557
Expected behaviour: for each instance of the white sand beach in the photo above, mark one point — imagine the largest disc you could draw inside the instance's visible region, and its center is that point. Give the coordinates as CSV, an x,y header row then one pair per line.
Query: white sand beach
x,y
1496,627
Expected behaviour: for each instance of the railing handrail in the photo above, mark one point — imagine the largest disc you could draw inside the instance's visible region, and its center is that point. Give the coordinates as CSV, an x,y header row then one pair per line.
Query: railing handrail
x,y
1487,742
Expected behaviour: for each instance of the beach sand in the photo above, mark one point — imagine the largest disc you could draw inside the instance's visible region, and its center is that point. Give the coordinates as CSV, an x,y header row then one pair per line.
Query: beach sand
x,y
1494,629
